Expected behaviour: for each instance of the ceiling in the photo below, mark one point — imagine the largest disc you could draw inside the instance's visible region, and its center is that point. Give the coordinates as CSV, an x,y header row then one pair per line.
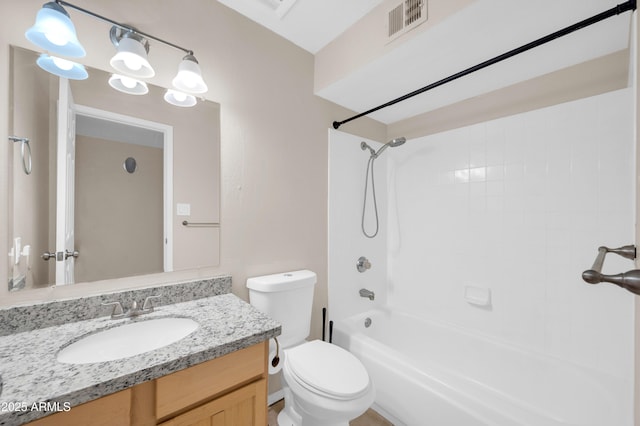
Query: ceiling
x,y
483,30
310,24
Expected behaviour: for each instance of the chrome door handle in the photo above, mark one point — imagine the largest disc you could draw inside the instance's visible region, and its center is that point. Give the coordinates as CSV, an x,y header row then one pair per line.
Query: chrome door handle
x,y
59,256
74,254
48,255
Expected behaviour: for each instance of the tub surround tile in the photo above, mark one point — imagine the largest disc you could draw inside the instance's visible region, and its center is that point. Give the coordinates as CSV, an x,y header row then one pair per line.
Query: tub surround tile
x,y
31,373
558,184
18,319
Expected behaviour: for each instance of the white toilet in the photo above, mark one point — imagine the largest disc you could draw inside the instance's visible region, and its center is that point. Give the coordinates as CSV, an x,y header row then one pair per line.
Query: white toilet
x,y
324,385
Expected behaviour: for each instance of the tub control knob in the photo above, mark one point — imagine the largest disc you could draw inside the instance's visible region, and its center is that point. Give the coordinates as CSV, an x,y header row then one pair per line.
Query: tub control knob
x,y
363,264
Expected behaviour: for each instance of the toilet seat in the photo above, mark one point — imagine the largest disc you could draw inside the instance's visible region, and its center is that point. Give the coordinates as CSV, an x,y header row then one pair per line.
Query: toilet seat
x,y
327,370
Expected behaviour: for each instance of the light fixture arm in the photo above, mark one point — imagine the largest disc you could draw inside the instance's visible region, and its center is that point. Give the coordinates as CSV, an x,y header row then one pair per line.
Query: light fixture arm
x,y
124,27
118,33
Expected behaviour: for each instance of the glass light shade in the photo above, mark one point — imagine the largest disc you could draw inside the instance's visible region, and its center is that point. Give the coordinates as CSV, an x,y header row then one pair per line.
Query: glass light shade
x,y
189,77
54,31
179,99
128,85
131,59
62,67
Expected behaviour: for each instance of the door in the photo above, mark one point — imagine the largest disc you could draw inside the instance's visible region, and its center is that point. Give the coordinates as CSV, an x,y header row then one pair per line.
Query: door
x,y
243,407
65,246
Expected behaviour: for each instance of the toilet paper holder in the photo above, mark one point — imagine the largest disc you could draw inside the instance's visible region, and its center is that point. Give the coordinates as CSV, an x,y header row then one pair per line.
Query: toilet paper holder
x,y
276,359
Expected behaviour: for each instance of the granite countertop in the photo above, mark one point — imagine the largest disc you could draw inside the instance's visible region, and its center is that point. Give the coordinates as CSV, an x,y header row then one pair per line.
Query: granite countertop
x,y
31,374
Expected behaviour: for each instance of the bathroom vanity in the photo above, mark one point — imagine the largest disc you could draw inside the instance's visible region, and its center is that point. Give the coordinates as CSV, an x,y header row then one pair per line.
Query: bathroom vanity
x,y
217,373
230,390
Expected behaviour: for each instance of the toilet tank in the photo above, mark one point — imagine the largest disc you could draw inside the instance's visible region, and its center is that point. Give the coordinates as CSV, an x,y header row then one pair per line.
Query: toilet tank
x,y
288,298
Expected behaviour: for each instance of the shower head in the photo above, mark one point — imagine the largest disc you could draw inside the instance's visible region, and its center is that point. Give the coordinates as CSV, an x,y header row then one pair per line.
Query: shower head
x,y
396,142
392,143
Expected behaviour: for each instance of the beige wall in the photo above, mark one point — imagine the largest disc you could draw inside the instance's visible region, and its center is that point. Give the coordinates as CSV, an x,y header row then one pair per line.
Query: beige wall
x,y
29,218
273,135
590,78
118,215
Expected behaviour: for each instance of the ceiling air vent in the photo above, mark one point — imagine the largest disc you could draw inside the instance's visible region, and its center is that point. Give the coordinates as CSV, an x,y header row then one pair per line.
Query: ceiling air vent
x,y
406,16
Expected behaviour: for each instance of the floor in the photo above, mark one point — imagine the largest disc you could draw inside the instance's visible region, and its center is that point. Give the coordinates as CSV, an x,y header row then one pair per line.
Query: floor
x,y
370,418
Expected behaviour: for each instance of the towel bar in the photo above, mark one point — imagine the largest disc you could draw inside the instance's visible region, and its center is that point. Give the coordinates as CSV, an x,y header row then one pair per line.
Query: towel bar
x,y
201,224
25,153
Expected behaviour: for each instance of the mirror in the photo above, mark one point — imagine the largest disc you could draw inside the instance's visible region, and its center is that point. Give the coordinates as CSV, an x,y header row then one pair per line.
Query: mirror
x,y
133,169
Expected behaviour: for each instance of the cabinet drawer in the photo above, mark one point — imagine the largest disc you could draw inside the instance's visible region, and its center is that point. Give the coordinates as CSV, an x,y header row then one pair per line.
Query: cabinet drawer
x,y
184,389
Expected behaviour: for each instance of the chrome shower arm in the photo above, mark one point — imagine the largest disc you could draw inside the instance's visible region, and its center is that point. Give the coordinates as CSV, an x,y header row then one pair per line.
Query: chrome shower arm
x,y
364,146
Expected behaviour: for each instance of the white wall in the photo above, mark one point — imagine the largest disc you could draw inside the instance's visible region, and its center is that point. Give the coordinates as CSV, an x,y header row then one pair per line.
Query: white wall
x,y
347,168
520,205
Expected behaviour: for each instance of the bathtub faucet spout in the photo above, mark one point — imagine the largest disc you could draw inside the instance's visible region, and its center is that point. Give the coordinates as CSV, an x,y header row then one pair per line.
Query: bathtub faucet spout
x,y
367,293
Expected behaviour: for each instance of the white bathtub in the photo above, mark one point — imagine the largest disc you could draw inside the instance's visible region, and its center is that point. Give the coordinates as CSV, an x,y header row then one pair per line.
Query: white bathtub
x,y
430,374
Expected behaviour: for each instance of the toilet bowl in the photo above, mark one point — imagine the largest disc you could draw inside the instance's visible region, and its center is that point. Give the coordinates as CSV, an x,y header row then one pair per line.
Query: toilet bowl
x,y
325,385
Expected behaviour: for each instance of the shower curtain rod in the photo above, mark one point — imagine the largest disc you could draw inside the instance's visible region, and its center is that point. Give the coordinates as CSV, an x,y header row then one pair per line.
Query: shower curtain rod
x,y
617,10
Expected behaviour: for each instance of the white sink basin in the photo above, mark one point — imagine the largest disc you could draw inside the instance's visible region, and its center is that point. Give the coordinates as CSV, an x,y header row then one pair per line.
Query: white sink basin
x,y
127,340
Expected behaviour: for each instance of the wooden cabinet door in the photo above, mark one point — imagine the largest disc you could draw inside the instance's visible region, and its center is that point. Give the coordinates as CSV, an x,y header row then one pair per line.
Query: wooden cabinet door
x,y
114,409
246,406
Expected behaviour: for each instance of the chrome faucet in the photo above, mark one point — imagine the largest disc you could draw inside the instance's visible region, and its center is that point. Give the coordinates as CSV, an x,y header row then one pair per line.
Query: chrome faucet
x,y
118,312
367,293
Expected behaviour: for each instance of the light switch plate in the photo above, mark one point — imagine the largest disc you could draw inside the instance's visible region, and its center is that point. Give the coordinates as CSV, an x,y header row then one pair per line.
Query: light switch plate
x,y
183,209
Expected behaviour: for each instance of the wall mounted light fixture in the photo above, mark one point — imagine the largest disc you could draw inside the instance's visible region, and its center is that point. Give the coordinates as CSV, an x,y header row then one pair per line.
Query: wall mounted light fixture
x,y
189,77
62,67
54,32
181,99
126,84
131,57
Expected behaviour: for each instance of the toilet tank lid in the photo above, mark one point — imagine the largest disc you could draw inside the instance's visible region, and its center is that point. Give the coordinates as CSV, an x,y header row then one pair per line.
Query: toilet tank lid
x,y
282,281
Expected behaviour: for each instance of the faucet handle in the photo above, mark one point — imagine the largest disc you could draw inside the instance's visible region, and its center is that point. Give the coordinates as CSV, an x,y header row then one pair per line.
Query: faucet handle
x,y
117,308
148,305
363,264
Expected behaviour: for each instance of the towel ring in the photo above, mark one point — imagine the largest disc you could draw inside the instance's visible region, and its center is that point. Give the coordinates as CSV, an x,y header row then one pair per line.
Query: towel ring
x,y
25,154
